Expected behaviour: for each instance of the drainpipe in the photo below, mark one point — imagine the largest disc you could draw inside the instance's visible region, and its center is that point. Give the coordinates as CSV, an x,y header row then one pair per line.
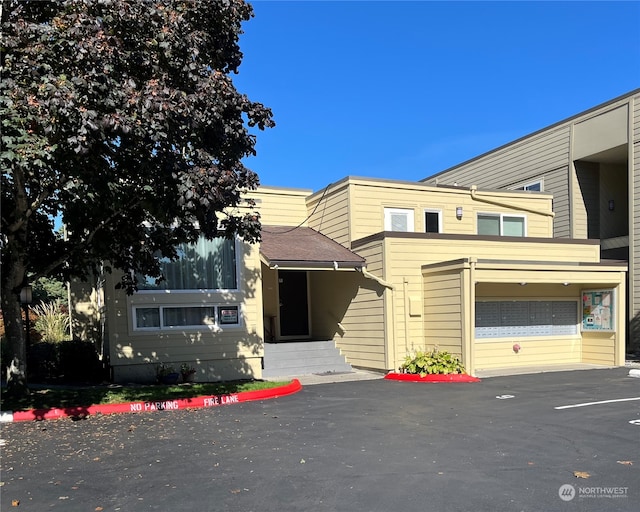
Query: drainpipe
x,y
369,275
390,356
476,197
470,344
405,286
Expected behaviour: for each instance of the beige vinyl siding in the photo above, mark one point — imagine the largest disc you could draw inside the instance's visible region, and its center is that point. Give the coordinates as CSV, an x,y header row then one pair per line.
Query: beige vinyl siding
x,y
406,256
329,212
414,252
533,352
556,182
363,343
370,198
240,346
634,214
86,314
544,156
281,206
516,163
598,348
586,193
443,312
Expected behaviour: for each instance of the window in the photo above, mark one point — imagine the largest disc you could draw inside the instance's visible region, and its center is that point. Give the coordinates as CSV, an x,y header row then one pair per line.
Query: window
x,y
536,186
171,317
501,225
398,219
205,265
432,221
501,319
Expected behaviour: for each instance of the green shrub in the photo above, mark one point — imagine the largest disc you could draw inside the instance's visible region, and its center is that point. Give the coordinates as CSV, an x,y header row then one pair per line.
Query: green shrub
x,y
52,323
433,362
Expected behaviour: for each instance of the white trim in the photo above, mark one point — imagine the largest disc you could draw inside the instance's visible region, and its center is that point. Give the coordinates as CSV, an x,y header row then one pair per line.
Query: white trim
x,y
215,326
408,212
525,184
501,217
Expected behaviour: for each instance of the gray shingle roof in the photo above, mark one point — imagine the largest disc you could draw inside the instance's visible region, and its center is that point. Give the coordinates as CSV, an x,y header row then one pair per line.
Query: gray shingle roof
x,y
288,246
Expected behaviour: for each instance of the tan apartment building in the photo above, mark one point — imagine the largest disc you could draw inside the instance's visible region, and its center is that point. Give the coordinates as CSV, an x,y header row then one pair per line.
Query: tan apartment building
x,y
590,165
380,269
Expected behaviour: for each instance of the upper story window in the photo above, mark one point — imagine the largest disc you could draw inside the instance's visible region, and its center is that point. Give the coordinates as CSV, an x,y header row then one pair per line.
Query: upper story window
x,y
205,265
535,186
433,221
398,219
498,224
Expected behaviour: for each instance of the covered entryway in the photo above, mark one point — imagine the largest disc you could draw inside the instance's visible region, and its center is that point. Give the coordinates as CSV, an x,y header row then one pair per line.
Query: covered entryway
x,y
308,282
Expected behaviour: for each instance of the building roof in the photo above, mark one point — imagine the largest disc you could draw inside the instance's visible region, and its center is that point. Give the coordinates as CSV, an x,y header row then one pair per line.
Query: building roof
x,y
302,247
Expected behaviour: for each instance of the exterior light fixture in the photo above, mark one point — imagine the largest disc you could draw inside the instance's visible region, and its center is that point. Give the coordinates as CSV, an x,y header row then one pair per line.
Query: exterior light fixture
x,y
565,284
459,212
523,283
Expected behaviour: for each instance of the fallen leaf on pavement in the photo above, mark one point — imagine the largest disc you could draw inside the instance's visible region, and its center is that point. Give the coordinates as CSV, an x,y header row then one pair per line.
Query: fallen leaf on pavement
x,y
15,503
625,462
581,474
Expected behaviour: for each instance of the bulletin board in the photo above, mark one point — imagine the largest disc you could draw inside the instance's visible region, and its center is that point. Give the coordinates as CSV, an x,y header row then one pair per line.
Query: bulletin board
x,y
598,312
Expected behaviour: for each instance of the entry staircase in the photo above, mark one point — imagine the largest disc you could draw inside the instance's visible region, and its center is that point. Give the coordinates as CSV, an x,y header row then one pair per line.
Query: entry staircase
x,y
286,359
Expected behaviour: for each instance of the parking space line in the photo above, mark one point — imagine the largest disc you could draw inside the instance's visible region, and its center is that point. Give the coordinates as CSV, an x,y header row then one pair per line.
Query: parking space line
x,y
597,403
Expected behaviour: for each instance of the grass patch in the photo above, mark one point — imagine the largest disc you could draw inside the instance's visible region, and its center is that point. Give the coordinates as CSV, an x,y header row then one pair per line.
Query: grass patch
x,y
71,396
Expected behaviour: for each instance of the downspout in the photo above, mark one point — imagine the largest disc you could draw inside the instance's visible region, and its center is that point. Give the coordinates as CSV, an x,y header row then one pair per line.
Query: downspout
x,y
476,197
390,362
382,282
470,331
405,284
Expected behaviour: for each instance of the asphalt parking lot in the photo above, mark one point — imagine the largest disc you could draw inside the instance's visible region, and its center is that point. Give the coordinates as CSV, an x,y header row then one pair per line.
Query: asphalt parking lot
x,y
521,443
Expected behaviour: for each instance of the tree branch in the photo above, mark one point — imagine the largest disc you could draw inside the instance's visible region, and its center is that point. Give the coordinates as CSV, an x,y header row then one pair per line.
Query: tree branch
x,y
81,245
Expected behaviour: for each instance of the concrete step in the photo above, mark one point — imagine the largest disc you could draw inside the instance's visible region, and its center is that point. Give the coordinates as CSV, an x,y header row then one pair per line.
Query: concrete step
x,y
303,358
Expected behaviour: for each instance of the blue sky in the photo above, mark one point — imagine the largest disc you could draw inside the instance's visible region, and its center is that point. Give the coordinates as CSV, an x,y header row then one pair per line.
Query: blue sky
x,y
407,89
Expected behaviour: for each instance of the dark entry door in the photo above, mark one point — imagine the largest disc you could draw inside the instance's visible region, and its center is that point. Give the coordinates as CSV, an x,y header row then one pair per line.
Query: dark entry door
x,y
294,305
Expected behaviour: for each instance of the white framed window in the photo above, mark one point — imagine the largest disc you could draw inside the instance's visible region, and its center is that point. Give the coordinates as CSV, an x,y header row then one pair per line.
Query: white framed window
x,y
500,224
204,265
432,221
535,186
398,219
189,316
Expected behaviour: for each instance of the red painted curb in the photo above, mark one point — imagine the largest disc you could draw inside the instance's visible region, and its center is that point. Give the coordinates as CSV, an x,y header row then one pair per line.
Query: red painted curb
x,y
166,405
453,377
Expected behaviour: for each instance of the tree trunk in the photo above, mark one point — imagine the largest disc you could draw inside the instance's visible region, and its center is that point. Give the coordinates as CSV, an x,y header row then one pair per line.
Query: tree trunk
x,y
16,365
13,277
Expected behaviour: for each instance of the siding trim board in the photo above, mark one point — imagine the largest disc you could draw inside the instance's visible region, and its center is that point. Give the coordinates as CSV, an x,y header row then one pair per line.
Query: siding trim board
x,y
487,238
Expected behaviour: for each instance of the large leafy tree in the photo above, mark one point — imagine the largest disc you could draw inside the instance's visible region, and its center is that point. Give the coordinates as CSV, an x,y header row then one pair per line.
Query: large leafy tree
x,y
121,118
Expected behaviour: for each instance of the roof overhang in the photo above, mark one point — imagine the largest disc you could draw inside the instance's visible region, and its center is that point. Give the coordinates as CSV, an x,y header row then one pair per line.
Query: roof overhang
x,y
303,248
